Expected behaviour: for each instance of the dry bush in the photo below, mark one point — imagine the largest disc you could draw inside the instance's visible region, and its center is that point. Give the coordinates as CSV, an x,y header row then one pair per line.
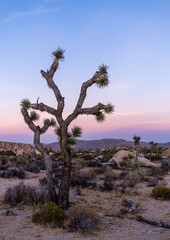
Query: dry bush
x,y
133,178
22,194
111,176
89,174
13,172
83,220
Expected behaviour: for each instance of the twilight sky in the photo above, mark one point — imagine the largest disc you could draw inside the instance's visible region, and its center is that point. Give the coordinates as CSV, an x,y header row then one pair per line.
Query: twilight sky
x,y
131,37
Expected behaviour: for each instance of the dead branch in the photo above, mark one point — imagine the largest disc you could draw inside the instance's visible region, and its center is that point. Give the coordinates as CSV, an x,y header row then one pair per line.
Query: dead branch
x,y
151,222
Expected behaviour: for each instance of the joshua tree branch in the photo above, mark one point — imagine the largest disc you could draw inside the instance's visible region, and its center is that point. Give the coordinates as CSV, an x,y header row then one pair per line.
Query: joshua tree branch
x,y
88,111
45,127
42,107
36,129
28,119
84,87
49,78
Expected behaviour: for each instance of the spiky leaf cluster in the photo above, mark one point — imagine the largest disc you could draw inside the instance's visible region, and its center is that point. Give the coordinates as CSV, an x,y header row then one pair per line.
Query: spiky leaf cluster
x,y
57,131
136,140
103,69
76,131
34,115
52,122
109,108
100,117
59,53
72,141
103,81
25,103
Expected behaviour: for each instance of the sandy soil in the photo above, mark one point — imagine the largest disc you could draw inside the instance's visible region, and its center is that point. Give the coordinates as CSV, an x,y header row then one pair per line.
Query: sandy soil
x,y
20,227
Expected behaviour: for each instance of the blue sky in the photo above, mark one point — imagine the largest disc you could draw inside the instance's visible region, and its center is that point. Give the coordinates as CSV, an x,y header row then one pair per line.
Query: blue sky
x,y
131,37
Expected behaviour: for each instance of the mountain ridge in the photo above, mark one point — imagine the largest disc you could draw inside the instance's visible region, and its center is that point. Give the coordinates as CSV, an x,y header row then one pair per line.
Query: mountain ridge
x,y
106,143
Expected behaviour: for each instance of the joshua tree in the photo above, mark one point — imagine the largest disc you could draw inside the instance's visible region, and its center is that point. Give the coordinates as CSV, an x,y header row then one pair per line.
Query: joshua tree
x,y
136,142
101,79
151,148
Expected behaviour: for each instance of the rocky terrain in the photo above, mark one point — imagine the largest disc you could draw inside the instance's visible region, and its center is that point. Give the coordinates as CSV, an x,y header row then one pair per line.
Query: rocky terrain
x,y
18,148
107,182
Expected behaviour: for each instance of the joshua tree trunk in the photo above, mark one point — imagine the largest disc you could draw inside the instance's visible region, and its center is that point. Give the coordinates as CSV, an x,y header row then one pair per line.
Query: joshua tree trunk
x,y
63,195
137,153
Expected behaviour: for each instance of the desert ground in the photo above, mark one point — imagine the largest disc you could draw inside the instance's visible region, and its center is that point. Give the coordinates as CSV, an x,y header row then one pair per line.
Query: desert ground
x,y
105,203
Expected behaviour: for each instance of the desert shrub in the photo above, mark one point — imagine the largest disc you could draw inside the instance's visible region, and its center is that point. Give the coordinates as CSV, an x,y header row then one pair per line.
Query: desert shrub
x,y
93,163
80,161
12,172
22,193
4,159
84,182
50,213
111,176
39,157
152,181
135,166
155,157
132,179
156,172
32,167
124,163
100,170
89,174
83,220
130,156
7,153
43,181
108,185
21,160
161,191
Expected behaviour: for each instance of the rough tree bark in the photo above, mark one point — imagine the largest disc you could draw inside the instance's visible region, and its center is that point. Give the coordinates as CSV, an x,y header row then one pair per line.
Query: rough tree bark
x,y
100,78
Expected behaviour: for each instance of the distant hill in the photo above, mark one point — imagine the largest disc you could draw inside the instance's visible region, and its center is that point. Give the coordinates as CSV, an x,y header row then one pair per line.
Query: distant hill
x,y
105,143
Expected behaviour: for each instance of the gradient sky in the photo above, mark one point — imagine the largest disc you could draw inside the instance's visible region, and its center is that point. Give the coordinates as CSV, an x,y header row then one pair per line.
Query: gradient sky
x,y
131,37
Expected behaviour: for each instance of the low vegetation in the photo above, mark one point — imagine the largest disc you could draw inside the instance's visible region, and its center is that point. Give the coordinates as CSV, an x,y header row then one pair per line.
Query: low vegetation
x,y
50,213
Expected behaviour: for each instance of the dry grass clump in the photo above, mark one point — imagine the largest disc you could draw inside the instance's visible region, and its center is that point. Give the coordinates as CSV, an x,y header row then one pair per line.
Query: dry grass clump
x,y
83,220
23,194
90,174
133,178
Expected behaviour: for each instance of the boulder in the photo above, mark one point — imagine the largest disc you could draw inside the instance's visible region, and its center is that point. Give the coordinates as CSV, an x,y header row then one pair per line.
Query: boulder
x,y
119,156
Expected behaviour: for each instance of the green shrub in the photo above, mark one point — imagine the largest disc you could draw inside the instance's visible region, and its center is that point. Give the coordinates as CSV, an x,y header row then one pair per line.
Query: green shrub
x,y
124,163
135,165
21,160
7,153
50,213
161,191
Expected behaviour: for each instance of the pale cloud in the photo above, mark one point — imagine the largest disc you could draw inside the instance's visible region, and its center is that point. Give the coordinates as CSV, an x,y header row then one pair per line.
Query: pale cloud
x,y
146,112
32,12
